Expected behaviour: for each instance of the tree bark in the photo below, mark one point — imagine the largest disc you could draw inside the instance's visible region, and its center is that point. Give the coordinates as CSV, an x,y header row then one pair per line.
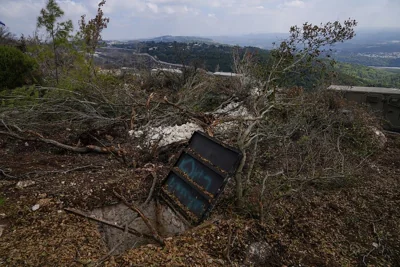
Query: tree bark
x,y
239,181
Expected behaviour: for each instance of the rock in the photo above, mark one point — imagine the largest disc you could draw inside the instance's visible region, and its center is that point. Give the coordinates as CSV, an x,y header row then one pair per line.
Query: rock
x,y
35,207
44,202
168,134
381,137
23,184
258,254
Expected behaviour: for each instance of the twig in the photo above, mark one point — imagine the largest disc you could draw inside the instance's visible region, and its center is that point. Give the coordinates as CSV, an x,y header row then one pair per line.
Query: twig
x,y
105,257
228,245
340,152
156,236
112,224
202,119
86,149
253,160
151,189
60,171
7,175
262,193
375,246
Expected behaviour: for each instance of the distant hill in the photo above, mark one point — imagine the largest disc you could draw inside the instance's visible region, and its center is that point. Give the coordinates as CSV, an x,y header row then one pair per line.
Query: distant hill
x,y
264,40
370,47
210,56
353,74
179,39
216,57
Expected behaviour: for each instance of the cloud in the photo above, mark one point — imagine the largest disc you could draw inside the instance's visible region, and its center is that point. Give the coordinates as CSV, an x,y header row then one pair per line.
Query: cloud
x,y
144,18
153,7
295,3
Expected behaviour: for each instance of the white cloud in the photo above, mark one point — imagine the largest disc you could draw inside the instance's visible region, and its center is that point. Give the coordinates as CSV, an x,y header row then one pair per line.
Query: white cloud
x,y
294,3
144,18
153,7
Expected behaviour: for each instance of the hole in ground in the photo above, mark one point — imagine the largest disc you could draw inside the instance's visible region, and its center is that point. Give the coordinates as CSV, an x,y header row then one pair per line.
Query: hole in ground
x,y
161,216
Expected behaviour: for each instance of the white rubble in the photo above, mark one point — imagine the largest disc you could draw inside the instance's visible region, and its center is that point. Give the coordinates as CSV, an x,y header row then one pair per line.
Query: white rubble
x,y
233,110
23,184
167,134
382,139
172,134
35,207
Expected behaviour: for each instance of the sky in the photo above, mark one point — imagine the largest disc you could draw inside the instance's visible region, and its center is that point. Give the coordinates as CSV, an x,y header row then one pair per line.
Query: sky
x,y
132,19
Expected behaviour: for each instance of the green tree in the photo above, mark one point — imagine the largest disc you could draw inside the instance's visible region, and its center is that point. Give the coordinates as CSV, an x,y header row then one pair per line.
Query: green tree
x,y
59,32
302,50
90,32
16,68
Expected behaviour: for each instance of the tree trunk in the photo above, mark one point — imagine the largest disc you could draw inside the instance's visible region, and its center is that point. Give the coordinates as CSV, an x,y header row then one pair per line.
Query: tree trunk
x,y
239,181
55,55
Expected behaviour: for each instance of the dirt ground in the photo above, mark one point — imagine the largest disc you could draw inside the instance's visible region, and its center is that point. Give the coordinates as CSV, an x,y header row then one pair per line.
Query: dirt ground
x,y
357,225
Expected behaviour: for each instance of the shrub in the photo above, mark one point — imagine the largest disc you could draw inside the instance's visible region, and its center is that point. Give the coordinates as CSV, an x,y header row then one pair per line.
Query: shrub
x,y
16,68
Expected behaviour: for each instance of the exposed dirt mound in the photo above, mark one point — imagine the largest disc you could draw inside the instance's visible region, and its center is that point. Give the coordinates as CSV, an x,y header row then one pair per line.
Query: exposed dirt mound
x,y
336,204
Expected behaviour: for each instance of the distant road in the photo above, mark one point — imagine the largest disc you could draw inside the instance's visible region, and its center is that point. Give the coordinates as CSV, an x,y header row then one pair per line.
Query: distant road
x,y
153,59
389,68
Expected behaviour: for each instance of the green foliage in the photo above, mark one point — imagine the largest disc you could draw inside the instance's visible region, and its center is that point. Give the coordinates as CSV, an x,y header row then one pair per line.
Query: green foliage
x,y
6,37
90,31
212,57
89,34
299,61
352,74
16,68
19,97
59,32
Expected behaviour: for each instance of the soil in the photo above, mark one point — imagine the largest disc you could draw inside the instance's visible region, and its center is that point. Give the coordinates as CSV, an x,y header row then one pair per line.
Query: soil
x,y
357,225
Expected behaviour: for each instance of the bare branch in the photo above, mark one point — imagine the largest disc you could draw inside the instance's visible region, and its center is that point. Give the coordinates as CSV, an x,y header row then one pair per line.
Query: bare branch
x,y
156,236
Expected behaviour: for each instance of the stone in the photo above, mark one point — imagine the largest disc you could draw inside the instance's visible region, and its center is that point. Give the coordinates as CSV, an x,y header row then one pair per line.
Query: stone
x,y
381,137
24,184
35,207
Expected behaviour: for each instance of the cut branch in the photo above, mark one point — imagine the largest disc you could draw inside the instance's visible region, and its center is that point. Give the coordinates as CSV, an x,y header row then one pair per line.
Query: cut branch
x,y
59,171
86,149
152,188
156,236
108,223
7,175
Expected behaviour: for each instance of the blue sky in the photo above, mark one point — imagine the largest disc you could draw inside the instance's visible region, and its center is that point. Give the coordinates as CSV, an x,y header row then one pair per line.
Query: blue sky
x,y
148,18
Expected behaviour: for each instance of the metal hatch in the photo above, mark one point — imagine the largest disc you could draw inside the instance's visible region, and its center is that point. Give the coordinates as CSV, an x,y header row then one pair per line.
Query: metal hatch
x,y
199,176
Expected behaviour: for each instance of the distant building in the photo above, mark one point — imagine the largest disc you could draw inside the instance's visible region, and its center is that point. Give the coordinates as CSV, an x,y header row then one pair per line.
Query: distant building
x,y
382,100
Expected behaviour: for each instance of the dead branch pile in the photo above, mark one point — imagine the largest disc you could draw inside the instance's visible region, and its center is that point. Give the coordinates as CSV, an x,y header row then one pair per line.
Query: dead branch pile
x,y
314,139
